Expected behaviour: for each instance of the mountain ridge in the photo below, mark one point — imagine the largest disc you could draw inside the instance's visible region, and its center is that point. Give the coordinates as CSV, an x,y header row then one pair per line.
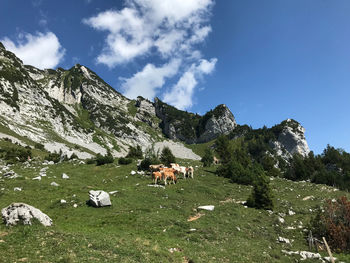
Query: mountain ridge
x,y
76,111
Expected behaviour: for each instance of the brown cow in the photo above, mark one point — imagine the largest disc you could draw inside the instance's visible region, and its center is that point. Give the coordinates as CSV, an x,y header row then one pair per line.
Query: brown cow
x,y
156,175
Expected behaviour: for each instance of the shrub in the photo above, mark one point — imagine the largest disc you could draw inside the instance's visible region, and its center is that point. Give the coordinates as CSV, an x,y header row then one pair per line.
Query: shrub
x,y
73,156
151,157
39,146
101,160
167,156
208,157
91,161
55,157
333,222
15,154
124,161
135,152
261,197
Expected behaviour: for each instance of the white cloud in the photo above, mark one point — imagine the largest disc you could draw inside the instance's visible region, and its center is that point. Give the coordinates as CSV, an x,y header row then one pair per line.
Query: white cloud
x,y
167,26
40,50
170,29
181,94
146,82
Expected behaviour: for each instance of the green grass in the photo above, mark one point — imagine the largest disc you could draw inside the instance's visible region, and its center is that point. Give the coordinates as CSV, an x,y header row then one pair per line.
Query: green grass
x,y
144,222
200,148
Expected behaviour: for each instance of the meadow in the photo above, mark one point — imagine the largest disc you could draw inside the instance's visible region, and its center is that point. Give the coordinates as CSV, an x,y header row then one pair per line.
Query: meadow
x,y
150,224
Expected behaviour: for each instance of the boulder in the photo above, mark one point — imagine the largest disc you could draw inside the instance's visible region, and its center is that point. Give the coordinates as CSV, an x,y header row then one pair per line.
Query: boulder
x,y
10,175
64,176
99,198
206,207
21,212
54,184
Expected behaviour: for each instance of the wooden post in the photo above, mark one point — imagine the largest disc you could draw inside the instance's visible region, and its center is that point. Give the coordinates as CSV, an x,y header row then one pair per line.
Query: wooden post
x,y
328,250
311,241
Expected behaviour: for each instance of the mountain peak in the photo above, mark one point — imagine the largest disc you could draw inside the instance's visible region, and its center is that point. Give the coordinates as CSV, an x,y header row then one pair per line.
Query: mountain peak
x,y
2,46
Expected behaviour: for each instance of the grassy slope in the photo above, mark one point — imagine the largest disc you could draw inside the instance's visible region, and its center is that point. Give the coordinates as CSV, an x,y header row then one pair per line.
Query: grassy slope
x,y
144,222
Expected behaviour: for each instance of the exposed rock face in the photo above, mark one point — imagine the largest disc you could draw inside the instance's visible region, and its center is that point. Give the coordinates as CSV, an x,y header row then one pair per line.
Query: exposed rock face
x,y
146,112
291,140
220,122
193,128
75,111
21,212
99,198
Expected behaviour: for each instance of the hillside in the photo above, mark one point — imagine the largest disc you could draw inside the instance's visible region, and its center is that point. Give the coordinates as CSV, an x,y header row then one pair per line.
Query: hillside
x,y
149,224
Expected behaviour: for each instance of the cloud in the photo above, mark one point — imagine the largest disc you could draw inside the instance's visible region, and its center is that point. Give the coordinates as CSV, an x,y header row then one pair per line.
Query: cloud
x,y
40,50
165,30
181,94
145,26
146,82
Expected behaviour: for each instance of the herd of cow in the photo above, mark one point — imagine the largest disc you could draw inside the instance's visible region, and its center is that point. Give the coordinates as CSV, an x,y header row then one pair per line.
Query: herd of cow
x,y
159,171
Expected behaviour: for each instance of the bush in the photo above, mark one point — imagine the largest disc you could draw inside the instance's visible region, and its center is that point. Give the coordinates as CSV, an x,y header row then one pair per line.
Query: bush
x,y
208,157
151,157
101,160
91,161
261,197
135,152
73,156
333,222
167,156
124,161
15,154
55,157
39,146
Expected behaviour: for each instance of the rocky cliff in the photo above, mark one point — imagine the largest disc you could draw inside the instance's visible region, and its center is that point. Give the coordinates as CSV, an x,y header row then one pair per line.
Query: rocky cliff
x,y
290,140
193,128
77,112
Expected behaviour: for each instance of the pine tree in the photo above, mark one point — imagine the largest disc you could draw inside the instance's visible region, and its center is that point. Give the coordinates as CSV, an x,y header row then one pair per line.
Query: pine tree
x,y
261,197
208,157
167,156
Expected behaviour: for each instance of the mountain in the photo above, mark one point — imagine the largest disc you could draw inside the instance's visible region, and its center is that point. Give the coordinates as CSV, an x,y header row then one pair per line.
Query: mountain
x,y
76,111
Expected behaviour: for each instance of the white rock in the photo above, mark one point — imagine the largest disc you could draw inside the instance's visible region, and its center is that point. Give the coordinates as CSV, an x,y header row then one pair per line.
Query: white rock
x,y
75,205
113,192
308,197
64,176
17,212
207,207
37,178
132,172
283,240
63,201
99,198
51,163
291,213
309,255
10,175
281,220
54,184
156,185
328,259
17,189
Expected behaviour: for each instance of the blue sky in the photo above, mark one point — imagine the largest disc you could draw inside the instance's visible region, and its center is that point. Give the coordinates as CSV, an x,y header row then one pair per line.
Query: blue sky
x,y
266,60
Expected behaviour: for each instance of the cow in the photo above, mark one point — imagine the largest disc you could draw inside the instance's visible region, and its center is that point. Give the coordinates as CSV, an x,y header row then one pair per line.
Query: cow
x,y
169,174
156,175
155,167
190,171
216,160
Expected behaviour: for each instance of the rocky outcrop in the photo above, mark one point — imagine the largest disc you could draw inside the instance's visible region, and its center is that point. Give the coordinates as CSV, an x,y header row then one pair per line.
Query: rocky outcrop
x,y
146,112
219,121
290,140
21,212
193,128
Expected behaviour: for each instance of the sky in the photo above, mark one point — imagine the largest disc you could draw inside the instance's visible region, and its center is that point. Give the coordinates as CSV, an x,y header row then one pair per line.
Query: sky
x,y
266,60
